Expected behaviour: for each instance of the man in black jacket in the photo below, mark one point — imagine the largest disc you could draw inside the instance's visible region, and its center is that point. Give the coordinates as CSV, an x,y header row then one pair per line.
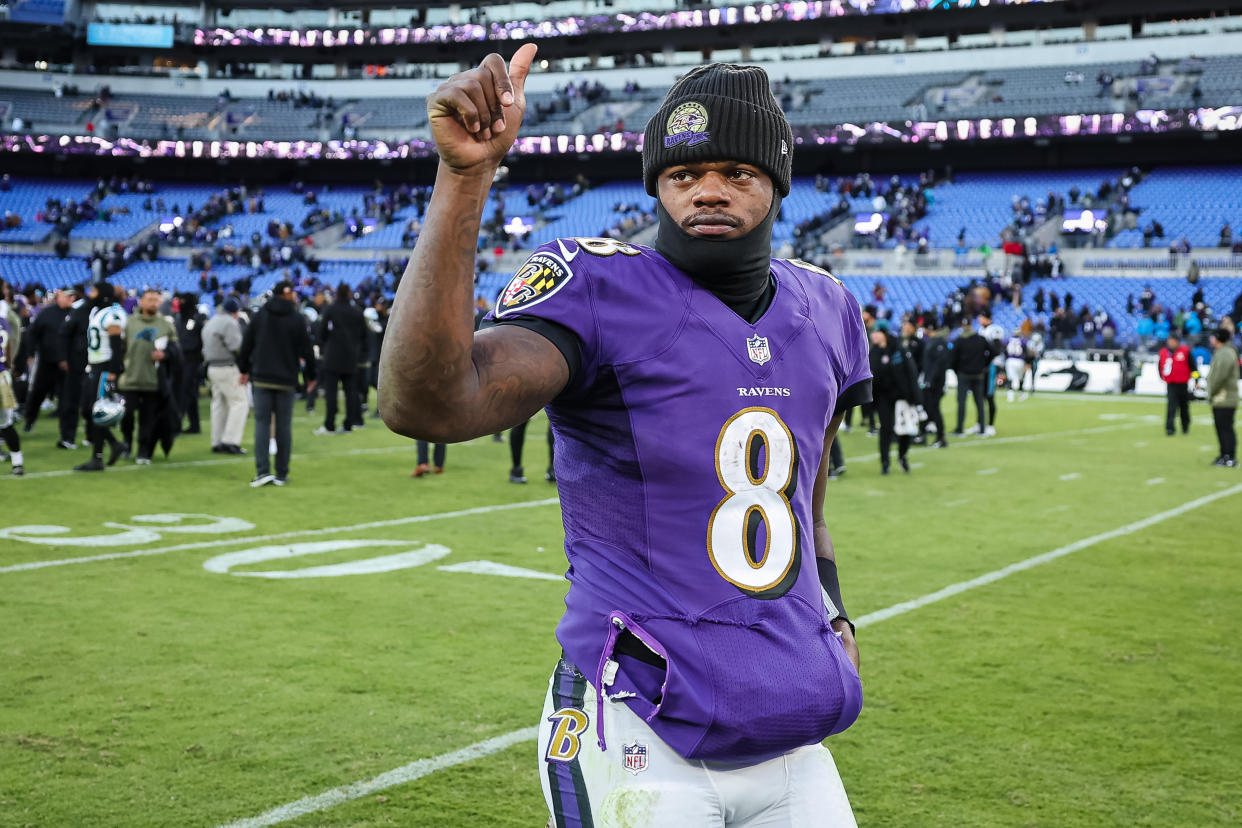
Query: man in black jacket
x,y
73,363
342,338
43,336
190,323
274,349
971,355
937,354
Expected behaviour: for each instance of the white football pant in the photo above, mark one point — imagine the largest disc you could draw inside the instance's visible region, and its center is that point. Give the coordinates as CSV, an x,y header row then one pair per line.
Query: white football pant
x,y
584,785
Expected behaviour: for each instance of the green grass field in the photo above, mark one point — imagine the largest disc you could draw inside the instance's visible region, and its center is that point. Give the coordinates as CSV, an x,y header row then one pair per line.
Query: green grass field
x,y
1099,688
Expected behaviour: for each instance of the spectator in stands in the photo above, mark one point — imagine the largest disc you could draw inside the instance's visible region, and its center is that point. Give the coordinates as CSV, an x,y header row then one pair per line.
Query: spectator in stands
x,y
222,338
275,349
1147,298
1222,391
1174,365
1226,235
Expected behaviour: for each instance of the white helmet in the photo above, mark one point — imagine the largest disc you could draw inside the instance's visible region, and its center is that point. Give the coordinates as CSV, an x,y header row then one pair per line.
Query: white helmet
x,y
108,411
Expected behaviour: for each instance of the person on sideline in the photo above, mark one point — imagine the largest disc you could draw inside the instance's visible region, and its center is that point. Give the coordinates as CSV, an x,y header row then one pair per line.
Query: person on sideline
x,y
275,348
1174,363
222,339
1222,390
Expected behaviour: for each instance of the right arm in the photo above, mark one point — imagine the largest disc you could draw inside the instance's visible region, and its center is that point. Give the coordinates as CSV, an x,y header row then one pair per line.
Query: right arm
x,y
439,380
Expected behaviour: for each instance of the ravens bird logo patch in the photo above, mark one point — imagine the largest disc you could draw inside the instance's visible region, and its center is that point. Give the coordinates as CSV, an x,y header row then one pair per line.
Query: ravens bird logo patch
x,y
543,275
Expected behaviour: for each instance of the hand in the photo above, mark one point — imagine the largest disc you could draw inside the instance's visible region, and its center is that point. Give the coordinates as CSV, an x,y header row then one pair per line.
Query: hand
x,y
475,115
64,365
111,377
847,640
310,386
157,355
242,379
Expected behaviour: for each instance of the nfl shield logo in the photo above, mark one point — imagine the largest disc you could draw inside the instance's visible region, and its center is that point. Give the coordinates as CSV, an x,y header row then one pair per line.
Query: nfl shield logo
x,y
757,349
634,757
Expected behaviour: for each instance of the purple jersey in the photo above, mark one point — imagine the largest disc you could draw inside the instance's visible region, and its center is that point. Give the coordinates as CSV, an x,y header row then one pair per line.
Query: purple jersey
x,y
1015,348
686,453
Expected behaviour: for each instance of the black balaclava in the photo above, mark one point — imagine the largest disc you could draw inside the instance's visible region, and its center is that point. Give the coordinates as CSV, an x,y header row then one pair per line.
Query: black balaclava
x,y
738,271
722,112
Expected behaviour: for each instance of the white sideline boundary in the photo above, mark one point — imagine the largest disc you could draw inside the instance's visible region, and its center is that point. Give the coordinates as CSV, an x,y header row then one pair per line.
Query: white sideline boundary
x,y
300,533
397,776
140,553
424,767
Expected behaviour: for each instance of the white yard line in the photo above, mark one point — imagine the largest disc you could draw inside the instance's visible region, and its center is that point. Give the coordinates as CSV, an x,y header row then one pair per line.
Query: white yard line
x,y
992,470
424,767
301,533
397,776
1155,481
1071,476
1029,563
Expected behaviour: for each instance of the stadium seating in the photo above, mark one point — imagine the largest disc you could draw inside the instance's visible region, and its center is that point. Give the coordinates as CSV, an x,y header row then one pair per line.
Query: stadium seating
x,y
1190,202
982,202
30,196
48,271
126,225
1109,293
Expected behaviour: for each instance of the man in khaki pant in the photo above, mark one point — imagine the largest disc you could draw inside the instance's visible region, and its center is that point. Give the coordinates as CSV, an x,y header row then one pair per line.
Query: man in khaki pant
x,y
222,337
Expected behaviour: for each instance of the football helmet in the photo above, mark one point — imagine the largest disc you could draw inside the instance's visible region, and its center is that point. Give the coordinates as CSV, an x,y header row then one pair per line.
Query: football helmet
x,y
108,411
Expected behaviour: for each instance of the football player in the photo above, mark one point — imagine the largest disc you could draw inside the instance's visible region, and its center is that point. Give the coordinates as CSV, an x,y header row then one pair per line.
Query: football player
x,y
694,389
105,360
1016,350
8,400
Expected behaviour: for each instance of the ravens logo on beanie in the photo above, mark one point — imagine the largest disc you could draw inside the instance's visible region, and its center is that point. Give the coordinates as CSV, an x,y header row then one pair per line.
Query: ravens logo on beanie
x,y
720,112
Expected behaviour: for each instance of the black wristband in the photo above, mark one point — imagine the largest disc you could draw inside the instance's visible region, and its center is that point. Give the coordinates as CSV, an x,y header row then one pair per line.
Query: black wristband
x,y
832,586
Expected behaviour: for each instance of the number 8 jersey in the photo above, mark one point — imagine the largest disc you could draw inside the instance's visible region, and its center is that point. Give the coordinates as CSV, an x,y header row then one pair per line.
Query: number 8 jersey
x,y
687,446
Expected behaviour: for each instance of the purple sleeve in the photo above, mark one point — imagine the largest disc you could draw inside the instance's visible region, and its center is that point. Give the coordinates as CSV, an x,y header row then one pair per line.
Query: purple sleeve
x,y
848,344
551,286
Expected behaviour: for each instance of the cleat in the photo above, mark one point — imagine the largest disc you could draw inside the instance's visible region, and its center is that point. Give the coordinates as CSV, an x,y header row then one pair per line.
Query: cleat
x,y
550,475
142,461
279,481
94,464
904,463
66,445
516,475
940,444
322,430
19,471
262,480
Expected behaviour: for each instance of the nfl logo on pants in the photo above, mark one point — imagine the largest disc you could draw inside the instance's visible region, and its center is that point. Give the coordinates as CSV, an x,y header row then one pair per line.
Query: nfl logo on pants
x,y
634,757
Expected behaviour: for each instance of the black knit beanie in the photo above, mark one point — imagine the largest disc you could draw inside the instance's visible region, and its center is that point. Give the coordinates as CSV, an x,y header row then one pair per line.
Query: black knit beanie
x,y
720,112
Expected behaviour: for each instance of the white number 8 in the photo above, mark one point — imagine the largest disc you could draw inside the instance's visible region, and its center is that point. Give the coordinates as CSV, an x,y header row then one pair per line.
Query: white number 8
x,y
756,496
